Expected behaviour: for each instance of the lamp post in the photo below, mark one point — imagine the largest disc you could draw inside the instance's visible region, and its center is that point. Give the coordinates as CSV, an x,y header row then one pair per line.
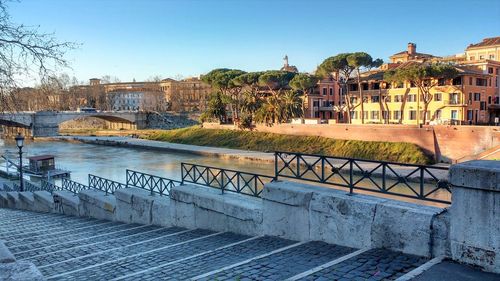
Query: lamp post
x,y
20,142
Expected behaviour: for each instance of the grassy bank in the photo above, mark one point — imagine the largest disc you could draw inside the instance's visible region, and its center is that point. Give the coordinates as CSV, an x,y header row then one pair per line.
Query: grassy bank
x,y
267,142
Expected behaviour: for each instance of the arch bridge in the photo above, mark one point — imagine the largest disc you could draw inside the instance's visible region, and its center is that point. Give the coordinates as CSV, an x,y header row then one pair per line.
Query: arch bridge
x,y
46,123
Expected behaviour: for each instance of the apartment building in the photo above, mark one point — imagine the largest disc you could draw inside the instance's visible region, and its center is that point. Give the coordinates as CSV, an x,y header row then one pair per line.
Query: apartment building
x,y
470,98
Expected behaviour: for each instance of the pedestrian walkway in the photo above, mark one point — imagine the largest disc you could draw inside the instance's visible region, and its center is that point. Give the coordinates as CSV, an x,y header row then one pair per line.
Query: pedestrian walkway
x,y
71,248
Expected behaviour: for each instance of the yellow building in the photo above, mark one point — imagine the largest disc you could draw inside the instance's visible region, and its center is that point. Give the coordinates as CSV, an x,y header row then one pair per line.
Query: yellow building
x,y
488,49
470,98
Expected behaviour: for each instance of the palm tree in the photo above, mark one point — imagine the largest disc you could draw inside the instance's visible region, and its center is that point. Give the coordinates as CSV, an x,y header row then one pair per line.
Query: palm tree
x,y
291,106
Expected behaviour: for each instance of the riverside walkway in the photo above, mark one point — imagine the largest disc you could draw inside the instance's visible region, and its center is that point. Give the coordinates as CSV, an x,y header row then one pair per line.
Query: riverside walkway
x,y
72,248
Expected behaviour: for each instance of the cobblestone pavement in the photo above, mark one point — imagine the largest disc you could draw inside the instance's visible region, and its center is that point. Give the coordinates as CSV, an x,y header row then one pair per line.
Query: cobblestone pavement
x,y
69,248
376,264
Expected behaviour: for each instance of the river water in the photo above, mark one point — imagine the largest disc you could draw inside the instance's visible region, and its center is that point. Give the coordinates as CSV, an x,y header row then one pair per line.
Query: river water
x,y
111,162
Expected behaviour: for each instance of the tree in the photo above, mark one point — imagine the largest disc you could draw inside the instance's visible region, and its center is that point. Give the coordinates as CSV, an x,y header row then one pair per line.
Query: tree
x,y
425,76
221,80
304,84
252,99
25,52
398,76
358,61
216,108
291,106
338,64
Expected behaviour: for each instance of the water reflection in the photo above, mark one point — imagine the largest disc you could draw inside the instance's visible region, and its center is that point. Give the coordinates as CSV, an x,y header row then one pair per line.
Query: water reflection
x,y
111,162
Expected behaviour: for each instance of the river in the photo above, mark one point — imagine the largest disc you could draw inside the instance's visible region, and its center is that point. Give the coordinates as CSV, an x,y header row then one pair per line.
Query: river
x,y
111,162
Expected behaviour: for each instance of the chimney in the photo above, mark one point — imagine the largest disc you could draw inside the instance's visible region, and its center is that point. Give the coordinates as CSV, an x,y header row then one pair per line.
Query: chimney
x,y
412,48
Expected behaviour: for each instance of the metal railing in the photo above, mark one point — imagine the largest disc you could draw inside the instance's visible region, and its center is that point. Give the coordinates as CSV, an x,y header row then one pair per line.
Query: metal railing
x,y
154,184
6,187
225,179
48,186
103,184
72,186
407,180
28,186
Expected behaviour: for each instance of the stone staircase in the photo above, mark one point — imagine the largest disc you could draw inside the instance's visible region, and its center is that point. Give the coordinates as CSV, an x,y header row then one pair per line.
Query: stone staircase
x,y
71,248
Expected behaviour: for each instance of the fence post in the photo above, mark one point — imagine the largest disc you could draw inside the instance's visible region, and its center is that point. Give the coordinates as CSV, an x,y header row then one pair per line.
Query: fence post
x,y
276,165
351,186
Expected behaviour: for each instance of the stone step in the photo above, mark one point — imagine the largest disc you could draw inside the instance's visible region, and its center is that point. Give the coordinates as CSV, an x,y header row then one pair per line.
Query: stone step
x,y
40,235
281,265
132,262
183,269
102,250
65,241
374,264
115,233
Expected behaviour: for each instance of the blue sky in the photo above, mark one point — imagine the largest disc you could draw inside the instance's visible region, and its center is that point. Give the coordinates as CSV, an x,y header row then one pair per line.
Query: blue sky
x,y
138,39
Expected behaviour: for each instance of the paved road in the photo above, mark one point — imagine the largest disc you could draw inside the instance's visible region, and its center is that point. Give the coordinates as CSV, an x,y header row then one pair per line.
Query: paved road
x,y
70,248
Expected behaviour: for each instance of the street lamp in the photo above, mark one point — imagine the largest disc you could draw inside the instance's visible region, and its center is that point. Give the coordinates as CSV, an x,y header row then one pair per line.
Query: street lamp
x,y
20,142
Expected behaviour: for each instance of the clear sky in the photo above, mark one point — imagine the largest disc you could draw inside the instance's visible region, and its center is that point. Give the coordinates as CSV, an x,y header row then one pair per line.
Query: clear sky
x,y
141,38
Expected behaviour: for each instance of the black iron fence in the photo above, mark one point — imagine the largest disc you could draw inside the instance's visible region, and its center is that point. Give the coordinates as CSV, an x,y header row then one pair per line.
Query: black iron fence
x,y
6,187
72,186
27,186
412,181
103,184
154,184
48,186
225,179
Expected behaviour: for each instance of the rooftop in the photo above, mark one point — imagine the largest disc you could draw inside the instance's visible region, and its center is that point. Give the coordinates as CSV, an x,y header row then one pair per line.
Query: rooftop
x,y
487,42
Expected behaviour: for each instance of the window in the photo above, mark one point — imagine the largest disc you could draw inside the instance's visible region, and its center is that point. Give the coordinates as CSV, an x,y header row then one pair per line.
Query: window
x,y
412,84
441,82
489,99
481,57
490,70
386,114
472,58
492,57
470,80
396,115
398,98
331,91
437,114
470,97
454,98
481,82
354,115
482,105
398,85
457,81
438,97
470,114
324,91
413,115
454,114
375,99
388,98
353,87
365,114
412,98
315,103
364,86
354,100
376,86
477,96
374,115
426,114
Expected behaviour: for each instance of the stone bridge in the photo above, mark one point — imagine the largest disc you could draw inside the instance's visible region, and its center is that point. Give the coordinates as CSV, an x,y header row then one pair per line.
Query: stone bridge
x,y
46,123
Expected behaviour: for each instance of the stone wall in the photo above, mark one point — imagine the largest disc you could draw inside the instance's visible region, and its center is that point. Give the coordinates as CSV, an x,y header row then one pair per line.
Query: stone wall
x,y
446,143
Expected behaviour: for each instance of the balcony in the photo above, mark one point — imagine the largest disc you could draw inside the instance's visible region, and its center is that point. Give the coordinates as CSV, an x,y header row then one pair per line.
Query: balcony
x,y
454,102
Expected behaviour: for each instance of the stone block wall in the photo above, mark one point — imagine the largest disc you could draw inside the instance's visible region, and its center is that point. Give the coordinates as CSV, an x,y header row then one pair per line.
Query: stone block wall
x,y
475,214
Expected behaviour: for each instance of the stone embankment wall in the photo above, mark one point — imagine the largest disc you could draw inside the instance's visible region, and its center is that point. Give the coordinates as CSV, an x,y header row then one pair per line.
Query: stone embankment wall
x,y
446,143
468,231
